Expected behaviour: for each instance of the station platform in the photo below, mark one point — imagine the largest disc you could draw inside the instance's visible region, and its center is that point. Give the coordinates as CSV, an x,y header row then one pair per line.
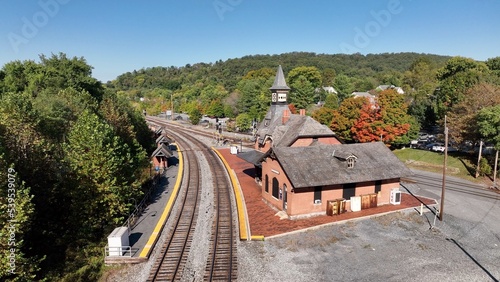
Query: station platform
x,y
257,220
145,231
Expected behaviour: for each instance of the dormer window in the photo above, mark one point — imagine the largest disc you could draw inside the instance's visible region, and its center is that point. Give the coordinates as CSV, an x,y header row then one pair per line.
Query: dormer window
x,y
350,162
347,157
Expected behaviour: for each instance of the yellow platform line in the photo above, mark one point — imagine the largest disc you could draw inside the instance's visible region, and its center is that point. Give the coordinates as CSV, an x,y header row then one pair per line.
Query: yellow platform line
x,y
242,215
146,251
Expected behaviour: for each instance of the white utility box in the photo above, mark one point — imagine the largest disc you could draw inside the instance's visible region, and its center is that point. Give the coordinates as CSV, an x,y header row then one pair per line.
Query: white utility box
x,y
356,203
395,197
234,150
118,241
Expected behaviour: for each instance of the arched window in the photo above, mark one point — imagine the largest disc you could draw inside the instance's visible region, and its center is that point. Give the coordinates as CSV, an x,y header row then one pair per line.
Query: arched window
x,y
276,188
266,185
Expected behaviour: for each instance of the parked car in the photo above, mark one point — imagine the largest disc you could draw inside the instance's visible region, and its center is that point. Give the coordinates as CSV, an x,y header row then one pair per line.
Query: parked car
x,y
430,145
423,136
441,148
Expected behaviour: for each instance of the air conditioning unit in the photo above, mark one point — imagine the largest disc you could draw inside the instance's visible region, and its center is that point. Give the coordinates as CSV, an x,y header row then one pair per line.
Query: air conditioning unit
x,y
395,197
317,201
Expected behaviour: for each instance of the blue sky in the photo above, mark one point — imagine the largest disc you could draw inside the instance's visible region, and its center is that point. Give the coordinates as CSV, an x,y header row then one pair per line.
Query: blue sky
x,y
119,36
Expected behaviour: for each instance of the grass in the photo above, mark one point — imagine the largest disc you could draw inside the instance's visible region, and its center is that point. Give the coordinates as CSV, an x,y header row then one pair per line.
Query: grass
x,y
458,164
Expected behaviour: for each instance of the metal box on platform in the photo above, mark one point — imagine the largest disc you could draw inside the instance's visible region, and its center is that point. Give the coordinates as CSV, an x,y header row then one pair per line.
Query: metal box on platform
x,y
118,241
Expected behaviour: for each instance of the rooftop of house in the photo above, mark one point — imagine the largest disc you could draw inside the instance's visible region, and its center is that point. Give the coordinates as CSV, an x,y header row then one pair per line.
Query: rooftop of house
x,y
163,139
373,161
362,94
162,151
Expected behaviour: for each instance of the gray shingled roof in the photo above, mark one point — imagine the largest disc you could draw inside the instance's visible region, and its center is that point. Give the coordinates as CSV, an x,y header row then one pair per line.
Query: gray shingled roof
x,y
315,165
162,151
163,139
159,130
296,127
279,81
252,156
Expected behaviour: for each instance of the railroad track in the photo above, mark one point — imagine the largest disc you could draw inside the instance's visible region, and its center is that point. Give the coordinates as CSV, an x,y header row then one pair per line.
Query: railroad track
x,y
457,186
221,262
245,140
170,263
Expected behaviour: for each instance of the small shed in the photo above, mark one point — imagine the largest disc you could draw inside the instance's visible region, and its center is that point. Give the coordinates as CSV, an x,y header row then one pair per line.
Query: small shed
x,y
160,157
118,241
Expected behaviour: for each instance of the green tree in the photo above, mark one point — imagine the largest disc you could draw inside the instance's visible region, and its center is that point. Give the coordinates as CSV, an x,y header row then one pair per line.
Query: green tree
x,y
328,77
331,101
99,161
212,92
343,86
323,115
254,93
420,83
488,121
244,122
310,74
462,117
16,217
215,109
302,94
455,78
61,72
260,74
228,111
194,114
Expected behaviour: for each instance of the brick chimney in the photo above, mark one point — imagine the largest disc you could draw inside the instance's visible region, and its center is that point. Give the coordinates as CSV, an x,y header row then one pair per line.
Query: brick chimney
x,y
285,117
302,112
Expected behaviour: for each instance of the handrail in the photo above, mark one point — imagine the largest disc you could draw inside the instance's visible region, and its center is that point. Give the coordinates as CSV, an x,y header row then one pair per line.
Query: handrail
x,y
130,221
119,251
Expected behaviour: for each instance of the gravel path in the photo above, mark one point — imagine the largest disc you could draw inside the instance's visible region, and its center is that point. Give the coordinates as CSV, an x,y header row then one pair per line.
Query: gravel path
x,y
395,247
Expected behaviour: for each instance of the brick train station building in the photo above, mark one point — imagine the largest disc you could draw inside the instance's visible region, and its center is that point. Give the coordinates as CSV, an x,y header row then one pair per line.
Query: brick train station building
x,y
304,168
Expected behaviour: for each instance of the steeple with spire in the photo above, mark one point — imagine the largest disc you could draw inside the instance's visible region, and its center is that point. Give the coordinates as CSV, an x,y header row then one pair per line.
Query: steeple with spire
x,y
279,90
279,98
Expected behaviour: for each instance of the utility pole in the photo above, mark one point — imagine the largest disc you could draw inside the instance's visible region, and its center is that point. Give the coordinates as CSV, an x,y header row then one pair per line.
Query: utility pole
x,y
444,169
172,105
495,171
479,158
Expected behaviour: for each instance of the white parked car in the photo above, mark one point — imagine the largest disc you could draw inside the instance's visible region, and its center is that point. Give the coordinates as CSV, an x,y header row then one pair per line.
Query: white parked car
x,y
440,148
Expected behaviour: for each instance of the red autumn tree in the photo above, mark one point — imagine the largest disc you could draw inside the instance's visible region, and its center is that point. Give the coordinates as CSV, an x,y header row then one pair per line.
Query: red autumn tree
x,y
346,116
385,120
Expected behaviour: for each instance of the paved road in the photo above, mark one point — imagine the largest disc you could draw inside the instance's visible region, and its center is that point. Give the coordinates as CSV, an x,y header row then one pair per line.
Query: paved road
x,y
462,198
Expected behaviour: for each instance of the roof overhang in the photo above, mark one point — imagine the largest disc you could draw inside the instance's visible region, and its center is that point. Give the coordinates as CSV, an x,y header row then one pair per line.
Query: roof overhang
x,y
253,156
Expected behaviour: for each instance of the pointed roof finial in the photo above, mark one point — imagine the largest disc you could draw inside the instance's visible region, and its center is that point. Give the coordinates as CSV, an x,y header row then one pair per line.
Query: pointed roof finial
x,y
279,81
